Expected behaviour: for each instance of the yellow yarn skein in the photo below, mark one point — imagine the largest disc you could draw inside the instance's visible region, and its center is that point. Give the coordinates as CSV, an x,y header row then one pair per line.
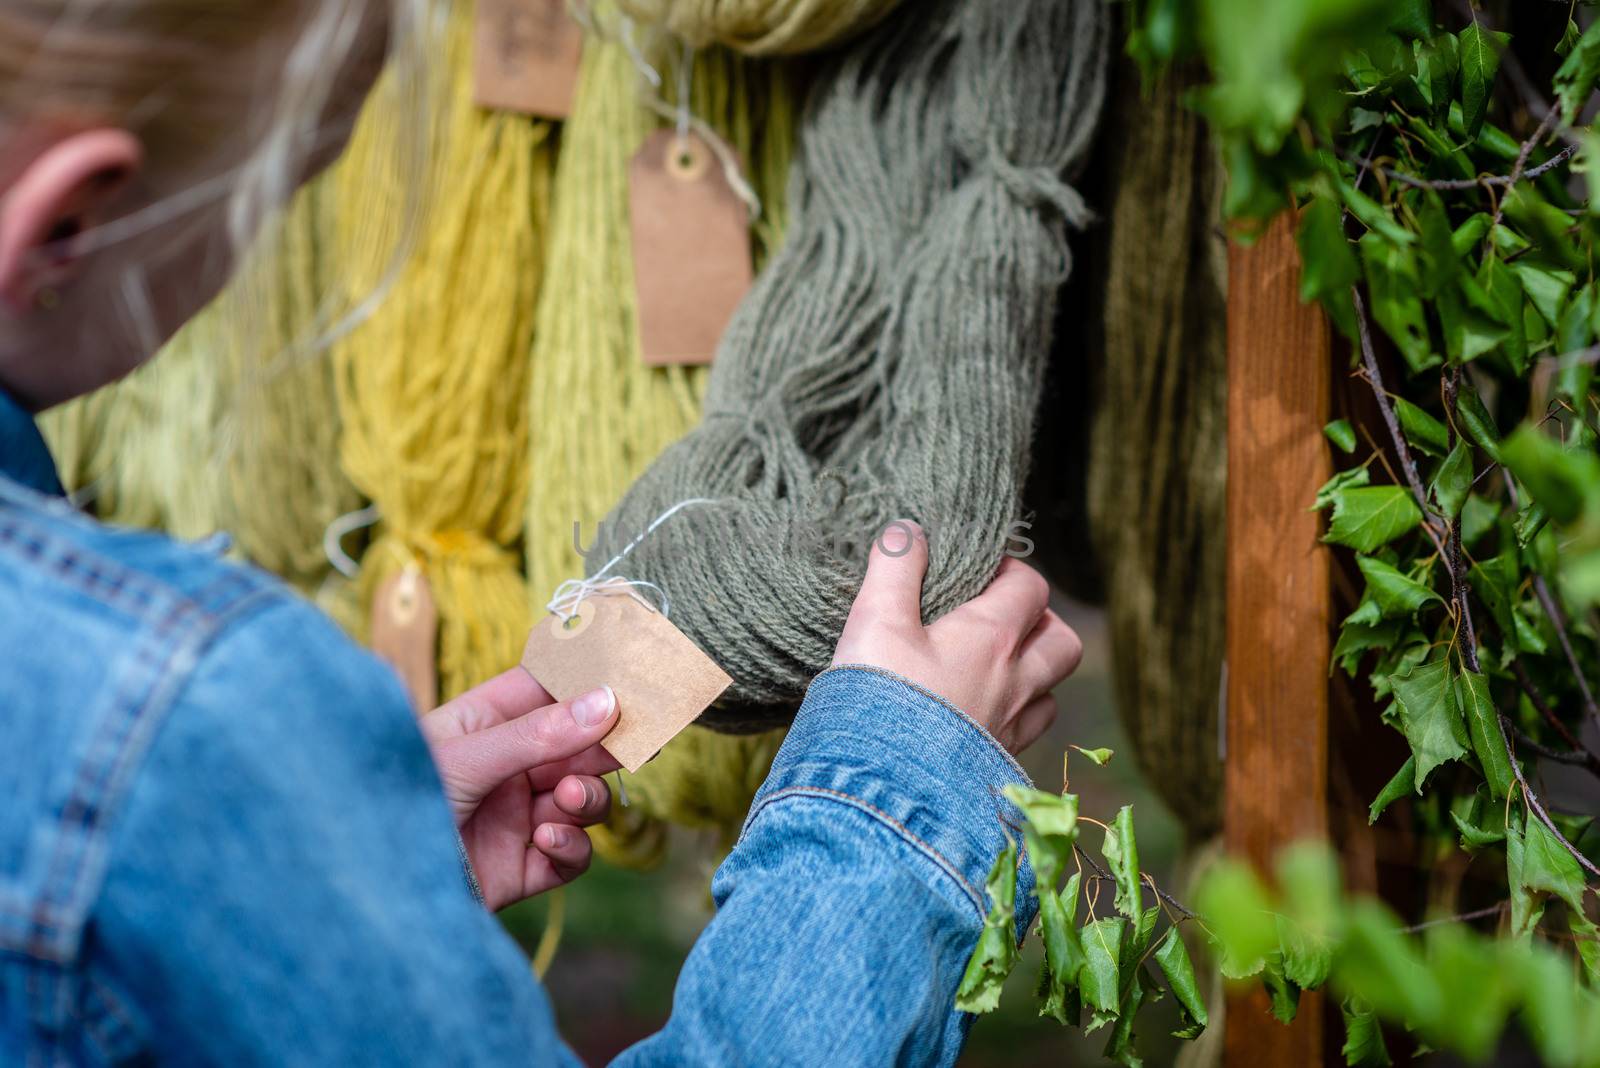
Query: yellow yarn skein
x,y
761,27
599,415
139,453
279,432
433,386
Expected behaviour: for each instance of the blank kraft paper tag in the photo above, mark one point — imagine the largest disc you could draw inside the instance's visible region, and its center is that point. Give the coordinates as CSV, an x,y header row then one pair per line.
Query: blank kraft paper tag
x,y
691,248
526,56
662,680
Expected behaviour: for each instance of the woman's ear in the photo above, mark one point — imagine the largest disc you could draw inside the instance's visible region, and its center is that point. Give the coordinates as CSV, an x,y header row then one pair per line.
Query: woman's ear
x,y
68,189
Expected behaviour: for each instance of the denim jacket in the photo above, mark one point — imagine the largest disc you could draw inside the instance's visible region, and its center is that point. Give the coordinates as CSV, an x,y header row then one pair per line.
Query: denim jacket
x,y
223,841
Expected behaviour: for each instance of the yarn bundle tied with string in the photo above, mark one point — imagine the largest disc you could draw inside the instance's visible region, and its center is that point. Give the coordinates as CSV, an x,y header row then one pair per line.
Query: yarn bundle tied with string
x,y
598,414
762,27
432,387
888,362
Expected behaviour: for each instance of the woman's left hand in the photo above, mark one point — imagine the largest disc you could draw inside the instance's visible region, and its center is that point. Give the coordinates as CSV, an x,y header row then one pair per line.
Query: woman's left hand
x,y
522,775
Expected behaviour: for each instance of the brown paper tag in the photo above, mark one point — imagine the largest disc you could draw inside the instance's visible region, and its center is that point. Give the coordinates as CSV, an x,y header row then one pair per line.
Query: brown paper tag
x,y
405,632
662,680
691,248
526,56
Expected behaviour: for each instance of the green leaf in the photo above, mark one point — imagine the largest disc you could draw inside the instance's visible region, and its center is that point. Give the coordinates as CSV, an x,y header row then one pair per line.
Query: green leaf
x,y
1483,724
1366,518
1172,957
1308,875
1119,1047
1122,855
1474,837
1453,481
1356,476
1284,994
1550,1004
1404,781
1467,236
1375,217
1480,60
1098,757
1239,917
1475,990
1342,434
1577,75
1328,264
1307,955
1497,292
1421,429
1468,332
1569,40
1051,829
1547,289
1098,979
1395,593
1429,715
1548,867
1587,163
1526,905
1363,1037
1564,481
1476,423
1394,287
1355,638
1478,517
1380,964
996,952
1586,936
1411,18
1064,956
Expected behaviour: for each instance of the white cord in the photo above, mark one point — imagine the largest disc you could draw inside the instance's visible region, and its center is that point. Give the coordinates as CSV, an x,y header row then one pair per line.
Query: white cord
x,y
573,592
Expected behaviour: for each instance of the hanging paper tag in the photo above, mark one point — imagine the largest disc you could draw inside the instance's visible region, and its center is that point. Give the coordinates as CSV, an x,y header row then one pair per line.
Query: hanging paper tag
x,y
405,632
526,58
662,680
691,248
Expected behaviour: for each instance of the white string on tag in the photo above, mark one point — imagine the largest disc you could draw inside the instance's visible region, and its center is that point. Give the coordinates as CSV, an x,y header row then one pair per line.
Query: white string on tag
x,y
573,592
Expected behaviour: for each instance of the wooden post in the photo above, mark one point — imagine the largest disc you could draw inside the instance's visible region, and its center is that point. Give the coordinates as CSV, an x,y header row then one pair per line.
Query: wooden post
x,y
1275,769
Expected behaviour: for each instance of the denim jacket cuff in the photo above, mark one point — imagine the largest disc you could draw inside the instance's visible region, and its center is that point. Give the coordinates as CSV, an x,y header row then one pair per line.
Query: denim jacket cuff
x,y
874,740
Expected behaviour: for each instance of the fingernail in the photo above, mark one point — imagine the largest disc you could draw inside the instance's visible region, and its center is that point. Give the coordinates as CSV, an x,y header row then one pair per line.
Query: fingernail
x,y
897,536
594,708
588,795
555,836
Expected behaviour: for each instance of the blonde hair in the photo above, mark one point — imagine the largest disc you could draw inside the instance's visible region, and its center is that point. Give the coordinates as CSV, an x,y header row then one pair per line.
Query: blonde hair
x,y
173,72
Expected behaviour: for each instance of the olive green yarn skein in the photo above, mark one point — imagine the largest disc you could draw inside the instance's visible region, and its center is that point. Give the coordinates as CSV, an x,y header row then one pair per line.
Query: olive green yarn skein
x,y
888,362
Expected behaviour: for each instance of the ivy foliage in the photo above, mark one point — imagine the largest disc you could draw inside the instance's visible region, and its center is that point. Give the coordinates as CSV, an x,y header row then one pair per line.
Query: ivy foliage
x,y
1443,174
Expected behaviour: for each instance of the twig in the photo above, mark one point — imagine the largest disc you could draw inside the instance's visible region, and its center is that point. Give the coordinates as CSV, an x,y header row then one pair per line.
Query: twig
x,y
1465,917
1558,619
1487,180
1522,161
1531,799
1369,358
1102,875
1575,358
1573,757
1520,670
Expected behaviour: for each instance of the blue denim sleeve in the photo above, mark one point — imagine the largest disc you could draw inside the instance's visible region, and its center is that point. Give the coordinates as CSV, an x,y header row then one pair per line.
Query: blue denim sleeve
x,y
283,885
848,909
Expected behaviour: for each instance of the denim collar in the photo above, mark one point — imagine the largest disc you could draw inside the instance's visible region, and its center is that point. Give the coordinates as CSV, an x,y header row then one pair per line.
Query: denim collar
x,y
24,457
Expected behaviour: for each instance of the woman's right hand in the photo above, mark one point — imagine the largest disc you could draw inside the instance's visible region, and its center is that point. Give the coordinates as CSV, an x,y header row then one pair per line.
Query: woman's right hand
x,y
997,657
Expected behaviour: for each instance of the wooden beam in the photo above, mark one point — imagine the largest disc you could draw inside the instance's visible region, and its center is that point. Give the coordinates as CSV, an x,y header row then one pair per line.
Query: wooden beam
x,y
1275,767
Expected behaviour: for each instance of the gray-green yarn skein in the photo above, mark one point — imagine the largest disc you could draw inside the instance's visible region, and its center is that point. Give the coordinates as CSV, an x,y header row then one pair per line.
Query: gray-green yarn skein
x,y
888,362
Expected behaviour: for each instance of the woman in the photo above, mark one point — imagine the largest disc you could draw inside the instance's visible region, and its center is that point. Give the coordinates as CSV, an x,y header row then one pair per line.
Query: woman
x,y
225,839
